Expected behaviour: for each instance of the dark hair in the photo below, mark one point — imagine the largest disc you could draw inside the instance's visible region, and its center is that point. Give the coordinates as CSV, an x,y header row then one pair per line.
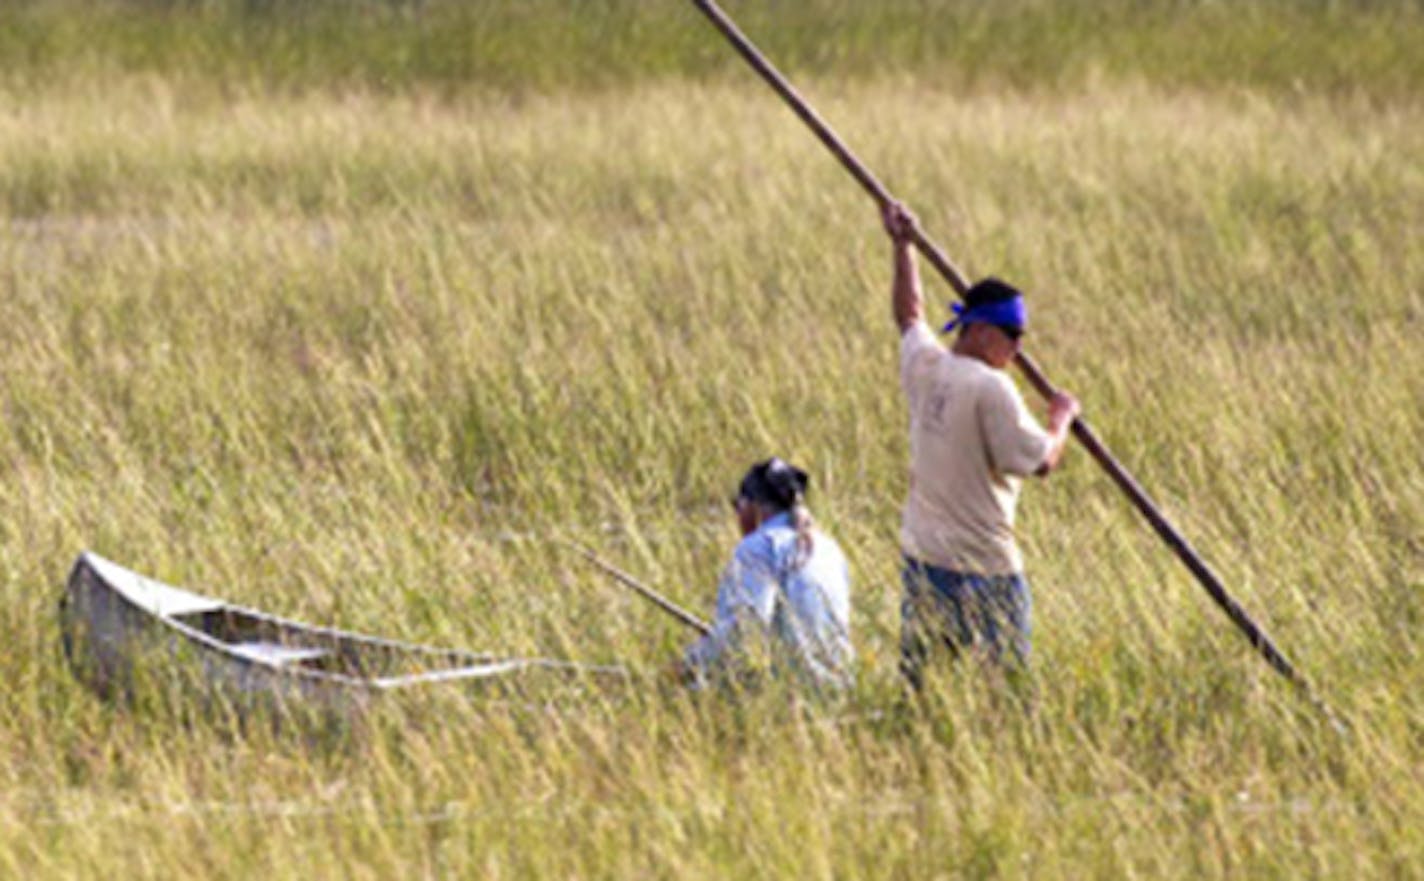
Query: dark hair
x,y
774,484
780,486
990,290
984,292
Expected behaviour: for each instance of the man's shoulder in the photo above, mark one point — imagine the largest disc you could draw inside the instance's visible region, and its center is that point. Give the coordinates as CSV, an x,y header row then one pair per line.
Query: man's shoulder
x,y
829,548
759,548
985,378
920,355
916,338
964,371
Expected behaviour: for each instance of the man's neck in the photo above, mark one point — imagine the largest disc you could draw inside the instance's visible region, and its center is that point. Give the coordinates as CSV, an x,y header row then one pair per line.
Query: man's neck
x,y
965,346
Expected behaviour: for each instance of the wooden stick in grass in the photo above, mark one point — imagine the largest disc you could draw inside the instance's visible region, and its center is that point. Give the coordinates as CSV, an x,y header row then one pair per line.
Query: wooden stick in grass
x,y
641,589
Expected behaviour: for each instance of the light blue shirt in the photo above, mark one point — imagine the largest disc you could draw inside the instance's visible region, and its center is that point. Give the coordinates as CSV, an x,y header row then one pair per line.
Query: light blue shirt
x,y
804,610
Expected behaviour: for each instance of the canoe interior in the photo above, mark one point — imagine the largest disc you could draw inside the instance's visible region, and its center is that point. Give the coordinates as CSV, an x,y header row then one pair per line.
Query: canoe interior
x,y
267,640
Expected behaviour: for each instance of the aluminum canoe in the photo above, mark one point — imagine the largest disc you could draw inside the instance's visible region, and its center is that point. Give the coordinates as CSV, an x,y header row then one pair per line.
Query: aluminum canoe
x,y
121,630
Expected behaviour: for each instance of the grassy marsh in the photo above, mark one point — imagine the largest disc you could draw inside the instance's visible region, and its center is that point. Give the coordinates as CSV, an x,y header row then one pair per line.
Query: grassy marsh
x,y
354,352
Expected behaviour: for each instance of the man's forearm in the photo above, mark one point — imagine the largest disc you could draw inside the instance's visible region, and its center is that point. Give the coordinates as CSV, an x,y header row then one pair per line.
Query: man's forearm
x,y
1060,428
906,298
1058,443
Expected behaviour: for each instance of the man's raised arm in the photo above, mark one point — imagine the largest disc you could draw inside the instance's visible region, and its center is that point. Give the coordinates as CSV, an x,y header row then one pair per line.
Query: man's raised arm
x,y
906,299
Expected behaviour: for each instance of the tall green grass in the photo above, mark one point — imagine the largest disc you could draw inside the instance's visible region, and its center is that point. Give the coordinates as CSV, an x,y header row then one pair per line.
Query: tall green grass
x,y
1284,46
356,355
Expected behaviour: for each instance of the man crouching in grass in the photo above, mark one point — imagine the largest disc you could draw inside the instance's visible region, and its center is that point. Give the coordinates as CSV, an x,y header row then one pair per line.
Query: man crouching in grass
x,y
783,604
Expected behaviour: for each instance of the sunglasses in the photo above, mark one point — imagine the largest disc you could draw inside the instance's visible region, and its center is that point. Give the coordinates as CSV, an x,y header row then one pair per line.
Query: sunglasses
x,y
1013,333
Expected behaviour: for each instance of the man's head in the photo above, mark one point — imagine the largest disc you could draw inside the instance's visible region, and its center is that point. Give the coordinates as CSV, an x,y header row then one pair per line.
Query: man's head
x,y
991,321
769,488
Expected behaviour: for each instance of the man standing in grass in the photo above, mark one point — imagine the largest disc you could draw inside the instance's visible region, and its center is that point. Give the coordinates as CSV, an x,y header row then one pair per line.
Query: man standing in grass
x,y
971,441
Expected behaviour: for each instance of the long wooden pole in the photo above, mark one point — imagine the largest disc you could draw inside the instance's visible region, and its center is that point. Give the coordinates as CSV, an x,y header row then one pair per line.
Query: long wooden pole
x,y
1085,435
641,589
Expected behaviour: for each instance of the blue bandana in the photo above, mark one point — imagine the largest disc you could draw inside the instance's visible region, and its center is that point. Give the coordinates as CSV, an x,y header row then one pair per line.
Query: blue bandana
x,y
1003,313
